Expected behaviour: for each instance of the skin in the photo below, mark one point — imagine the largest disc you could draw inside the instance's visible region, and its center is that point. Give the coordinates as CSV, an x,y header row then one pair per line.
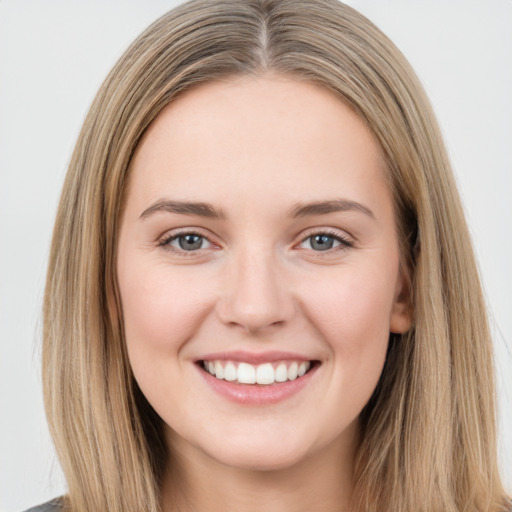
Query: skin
x,y
254,147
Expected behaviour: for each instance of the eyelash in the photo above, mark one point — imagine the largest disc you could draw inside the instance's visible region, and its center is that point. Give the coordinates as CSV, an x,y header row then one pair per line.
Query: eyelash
x,y
344,243
165,242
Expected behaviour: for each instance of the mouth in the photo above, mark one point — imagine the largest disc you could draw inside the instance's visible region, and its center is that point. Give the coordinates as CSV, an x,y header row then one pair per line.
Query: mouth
x,y
263,374
257,379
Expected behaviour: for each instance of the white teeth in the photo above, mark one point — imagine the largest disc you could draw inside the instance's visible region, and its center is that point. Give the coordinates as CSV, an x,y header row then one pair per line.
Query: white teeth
x,y
264,374
281,373
219,370
246,373
302,369
230,372
292,371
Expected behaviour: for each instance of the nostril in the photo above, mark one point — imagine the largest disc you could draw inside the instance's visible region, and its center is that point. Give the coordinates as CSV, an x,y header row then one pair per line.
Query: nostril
x,y
255,299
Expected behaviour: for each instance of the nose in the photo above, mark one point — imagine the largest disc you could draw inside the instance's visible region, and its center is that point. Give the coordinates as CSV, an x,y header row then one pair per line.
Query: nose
x,y
256,295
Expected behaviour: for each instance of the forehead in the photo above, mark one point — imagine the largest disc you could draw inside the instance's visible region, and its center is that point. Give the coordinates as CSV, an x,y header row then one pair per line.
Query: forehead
x,y
269,136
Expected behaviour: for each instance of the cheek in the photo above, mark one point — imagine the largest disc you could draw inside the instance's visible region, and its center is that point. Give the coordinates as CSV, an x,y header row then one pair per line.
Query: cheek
x,y
353,308
162,309
353,318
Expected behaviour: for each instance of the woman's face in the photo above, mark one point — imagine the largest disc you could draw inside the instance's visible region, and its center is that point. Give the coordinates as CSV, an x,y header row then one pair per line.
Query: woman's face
x,y
257,242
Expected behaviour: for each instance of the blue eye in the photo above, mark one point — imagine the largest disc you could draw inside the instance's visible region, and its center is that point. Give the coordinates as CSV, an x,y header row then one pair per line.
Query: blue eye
x,y
190,242
321,242
187,242
325,241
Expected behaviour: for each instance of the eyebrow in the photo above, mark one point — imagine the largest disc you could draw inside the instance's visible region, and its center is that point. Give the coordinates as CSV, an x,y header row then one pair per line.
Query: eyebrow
x,y
332,206
207,210
185,208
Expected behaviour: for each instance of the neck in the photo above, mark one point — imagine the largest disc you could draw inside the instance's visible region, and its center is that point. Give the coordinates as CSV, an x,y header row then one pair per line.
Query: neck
x,y
322,482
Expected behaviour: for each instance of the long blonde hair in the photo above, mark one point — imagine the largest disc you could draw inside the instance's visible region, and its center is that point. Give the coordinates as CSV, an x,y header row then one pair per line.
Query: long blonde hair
x,y
428,433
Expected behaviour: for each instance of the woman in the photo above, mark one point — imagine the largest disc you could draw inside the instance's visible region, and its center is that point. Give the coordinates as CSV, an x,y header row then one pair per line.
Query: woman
x,y
261,292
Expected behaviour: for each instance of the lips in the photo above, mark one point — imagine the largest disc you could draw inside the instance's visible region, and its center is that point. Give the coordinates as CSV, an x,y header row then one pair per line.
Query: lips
x,y
256,379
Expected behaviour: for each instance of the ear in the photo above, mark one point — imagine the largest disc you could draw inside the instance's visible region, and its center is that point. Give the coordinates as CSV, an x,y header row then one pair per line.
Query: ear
x,y
402,311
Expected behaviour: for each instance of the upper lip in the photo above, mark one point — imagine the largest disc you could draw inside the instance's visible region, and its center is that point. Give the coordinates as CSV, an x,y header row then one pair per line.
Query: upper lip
x,y
253,357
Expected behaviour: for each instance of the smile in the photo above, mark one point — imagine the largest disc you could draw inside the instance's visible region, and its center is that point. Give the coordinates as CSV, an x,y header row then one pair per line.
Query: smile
x,y
251,379
263,374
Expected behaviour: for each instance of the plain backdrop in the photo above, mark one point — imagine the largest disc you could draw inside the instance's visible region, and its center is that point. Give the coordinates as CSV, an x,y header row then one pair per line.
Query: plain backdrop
x,y
54,55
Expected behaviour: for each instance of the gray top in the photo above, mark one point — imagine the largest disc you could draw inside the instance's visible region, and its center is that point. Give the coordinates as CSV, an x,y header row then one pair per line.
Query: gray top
x,y
49,506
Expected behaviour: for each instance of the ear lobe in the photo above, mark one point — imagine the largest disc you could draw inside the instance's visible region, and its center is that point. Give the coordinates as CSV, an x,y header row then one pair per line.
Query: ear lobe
x,y
402,311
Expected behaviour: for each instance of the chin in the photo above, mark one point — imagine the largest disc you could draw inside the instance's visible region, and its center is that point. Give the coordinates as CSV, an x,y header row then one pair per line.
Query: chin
x,y
260,456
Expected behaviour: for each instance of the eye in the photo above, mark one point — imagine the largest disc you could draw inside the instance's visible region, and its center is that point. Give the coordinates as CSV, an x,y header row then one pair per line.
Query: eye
x,y
185,242
325,241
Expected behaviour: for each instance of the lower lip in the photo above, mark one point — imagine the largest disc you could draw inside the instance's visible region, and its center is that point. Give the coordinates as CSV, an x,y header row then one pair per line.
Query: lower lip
x,y
255,394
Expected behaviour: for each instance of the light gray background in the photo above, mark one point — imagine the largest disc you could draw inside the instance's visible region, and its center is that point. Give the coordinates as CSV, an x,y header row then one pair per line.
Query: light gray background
x,y
54,55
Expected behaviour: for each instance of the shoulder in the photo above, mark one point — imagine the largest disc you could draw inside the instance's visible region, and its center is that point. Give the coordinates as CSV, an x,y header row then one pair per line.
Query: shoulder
x,y
50,506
